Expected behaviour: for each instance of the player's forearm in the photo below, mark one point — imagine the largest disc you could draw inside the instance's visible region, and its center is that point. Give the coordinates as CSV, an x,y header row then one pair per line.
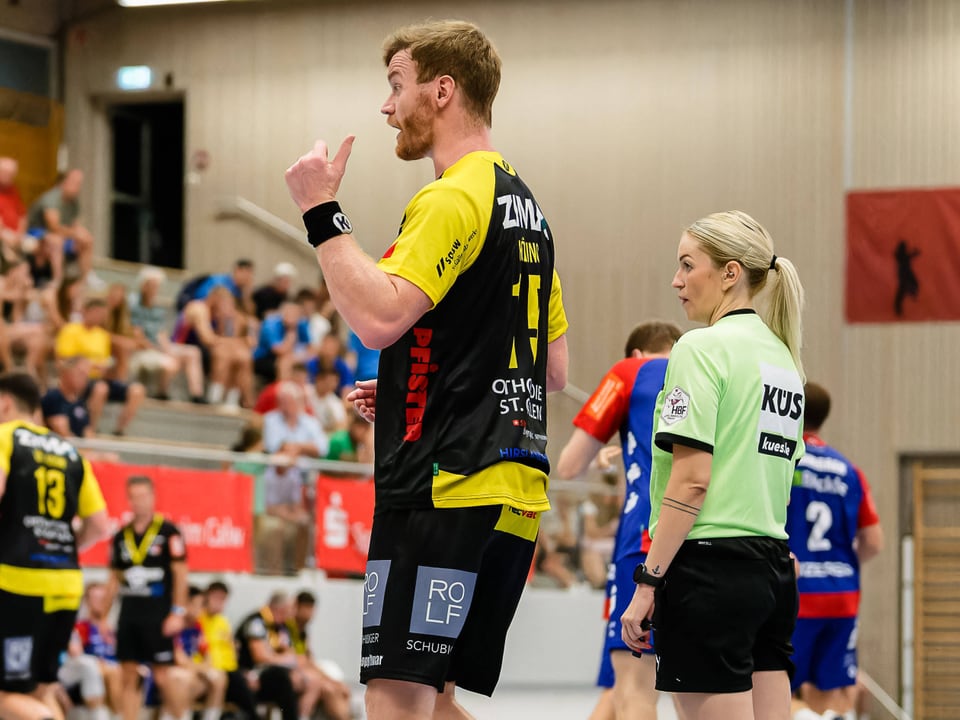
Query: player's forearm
x,y
363,294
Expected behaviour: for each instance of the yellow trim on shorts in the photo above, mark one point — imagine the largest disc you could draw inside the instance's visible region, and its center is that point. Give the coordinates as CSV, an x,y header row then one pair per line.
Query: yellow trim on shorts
x,y
504,483
56,603
41,582
522,523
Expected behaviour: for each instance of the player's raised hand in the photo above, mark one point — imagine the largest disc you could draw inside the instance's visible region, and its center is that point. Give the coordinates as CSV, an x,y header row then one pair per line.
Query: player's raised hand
x,y
314,178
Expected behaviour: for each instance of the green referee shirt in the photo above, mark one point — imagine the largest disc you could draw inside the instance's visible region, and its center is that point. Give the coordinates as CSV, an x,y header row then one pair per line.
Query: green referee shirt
x,y
733,390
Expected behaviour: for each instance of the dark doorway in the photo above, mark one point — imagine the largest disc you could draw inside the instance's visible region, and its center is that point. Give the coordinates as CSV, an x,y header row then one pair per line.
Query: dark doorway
x,y
147,197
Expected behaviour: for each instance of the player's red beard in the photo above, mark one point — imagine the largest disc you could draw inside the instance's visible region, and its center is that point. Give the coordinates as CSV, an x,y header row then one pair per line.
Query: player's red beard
x,y
415,139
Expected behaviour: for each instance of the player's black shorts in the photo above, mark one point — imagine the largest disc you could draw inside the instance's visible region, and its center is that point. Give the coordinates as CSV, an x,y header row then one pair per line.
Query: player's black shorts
x,y
34,632
140,637
440,592
726,609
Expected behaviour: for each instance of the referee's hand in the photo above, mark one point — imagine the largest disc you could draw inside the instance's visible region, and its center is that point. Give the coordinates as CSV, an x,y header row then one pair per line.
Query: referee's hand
x,y
635,621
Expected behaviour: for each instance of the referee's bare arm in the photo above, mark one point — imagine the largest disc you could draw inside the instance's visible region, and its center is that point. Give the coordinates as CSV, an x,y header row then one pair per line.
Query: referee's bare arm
x,y
682,500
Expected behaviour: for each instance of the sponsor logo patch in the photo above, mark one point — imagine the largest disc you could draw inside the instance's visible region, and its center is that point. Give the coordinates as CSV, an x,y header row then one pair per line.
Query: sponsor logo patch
x,y
374,589
441,601
17,653
676,405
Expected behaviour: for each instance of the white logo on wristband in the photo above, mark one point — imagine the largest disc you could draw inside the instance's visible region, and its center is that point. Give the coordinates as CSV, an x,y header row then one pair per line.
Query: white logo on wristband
x,y
341,221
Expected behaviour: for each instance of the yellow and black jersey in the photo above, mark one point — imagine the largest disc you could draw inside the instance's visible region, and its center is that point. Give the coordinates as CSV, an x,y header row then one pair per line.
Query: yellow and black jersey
x,y
48,485
461,402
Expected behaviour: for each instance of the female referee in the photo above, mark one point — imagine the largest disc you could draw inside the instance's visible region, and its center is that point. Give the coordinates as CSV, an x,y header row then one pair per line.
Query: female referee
x,y
719,583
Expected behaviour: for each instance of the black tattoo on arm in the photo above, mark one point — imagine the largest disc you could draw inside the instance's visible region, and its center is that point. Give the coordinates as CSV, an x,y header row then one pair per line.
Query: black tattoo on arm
x,y
682,507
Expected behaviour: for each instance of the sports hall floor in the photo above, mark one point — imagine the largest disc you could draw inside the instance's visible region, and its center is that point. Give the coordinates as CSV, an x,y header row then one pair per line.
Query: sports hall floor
x,y
549,703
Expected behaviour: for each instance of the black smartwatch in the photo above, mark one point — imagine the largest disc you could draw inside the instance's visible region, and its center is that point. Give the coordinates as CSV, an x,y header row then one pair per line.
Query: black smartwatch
x,y
642,576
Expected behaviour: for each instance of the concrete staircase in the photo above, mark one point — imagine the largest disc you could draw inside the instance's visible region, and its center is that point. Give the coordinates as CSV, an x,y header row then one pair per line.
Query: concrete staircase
x,y
177,422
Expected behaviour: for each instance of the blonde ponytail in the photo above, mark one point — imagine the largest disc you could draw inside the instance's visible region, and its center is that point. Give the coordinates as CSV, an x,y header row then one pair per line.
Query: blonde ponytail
x,y
735,236
784,311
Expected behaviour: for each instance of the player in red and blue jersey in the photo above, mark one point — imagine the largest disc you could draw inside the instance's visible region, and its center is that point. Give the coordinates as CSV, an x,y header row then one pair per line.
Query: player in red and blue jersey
x,y
834,528
624,401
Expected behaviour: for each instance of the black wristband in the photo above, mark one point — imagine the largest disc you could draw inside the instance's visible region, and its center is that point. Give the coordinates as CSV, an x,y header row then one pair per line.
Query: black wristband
x,y
325,221
641,576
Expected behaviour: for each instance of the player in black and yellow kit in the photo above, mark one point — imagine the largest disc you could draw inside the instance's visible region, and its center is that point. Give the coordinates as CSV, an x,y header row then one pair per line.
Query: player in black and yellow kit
x,y
148,558
466,307
44,485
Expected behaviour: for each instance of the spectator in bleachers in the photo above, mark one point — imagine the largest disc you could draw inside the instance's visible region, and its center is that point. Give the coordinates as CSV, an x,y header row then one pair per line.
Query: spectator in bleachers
x,y
271,296
89,339
239,282
267,399
268,533
69,407
24,339
331,352
90,673
354,443
191,652
364,361
289,433
222,652
327,404
599,517
284,340
334,693
264,648
317,323
64,303
54,220
154,349
214,325
13,213
117,323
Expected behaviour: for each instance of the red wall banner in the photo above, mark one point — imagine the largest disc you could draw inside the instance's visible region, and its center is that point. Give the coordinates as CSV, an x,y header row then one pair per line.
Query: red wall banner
x,y
344,518
214,511
903,255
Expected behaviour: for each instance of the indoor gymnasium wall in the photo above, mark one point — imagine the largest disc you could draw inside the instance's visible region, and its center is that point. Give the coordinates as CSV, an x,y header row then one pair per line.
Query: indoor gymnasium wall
x,y
629,120
899,392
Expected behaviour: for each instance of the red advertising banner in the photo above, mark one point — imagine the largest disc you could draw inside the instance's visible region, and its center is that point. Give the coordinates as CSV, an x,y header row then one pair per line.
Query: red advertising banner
x,y
214,511
903,255
344,519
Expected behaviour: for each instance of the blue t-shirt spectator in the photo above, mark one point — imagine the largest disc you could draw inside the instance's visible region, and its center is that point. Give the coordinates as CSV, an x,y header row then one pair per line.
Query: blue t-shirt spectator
x,y
368,361
272,332
219,280
347,378
55,403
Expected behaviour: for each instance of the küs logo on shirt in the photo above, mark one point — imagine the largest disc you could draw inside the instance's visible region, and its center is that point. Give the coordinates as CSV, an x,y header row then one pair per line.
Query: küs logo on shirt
x,y
676,405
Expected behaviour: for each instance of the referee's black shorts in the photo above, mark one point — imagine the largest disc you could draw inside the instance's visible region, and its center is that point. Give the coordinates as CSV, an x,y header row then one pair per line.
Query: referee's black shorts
x,y
726,609
34,632
441,589
140,637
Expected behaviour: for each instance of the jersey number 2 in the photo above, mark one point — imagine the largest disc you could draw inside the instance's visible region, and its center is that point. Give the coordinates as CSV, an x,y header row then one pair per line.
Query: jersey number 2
x,y
820,514
51,487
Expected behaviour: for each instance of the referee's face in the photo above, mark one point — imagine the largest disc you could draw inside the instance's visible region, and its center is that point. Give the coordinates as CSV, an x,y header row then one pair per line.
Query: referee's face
x,y
141,500
697,282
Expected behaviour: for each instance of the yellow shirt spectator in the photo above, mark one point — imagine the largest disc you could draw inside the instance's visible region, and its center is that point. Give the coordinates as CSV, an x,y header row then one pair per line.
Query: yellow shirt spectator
x,y
219,634
92,343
